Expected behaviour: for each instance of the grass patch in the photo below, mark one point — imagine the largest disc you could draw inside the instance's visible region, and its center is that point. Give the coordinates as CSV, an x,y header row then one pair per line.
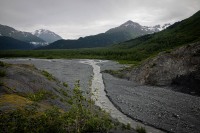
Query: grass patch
x,y
2,73
40,95
14,99
65,84
140,129
126,127
64,92
117,73
1,83
79,118
3,64
48,75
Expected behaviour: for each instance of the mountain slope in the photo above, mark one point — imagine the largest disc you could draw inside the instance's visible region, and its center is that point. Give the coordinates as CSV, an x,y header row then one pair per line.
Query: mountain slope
x,y
11,43
177,64
47,35
180,33
180,68
122,33
19,35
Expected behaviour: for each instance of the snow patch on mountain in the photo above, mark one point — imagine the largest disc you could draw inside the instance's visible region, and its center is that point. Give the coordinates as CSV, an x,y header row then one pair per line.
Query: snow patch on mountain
x,y
39,43
47,35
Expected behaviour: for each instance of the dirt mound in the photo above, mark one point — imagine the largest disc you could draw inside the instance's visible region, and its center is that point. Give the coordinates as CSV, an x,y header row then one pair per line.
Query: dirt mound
x,y
30,84
170,67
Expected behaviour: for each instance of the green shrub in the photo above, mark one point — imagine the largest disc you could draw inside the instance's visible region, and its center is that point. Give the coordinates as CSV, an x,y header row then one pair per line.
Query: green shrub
x,y
126,127
48,75
140,129
2,73
64,92
40,95
65,84
1,83
79,118
3,64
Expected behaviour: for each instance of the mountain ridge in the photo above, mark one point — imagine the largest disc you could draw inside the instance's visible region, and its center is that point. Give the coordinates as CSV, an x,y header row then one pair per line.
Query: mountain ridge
x,y
19,35
8,43
47,35
124,32
185,31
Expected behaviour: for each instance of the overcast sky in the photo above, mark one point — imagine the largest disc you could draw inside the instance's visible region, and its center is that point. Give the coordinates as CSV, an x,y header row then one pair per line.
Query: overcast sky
x,y
76,18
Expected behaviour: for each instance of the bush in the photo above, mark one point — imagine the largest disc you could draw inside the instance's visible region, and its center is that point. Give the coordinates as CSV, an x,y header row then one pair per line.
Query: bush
x,y
2,64
126,127
78,119
65,84
2,73
140,129
48,75
40,95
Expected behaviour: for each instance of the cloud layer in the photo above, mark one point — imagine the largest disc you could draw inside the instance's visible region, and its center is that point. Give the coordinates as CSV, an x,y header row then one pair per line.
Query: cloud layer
x,y
76,18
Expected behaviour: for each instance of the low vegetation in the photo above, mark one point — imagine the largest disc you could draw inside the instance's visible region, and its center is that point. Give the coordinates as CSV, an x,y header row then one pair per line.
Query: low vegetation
x,y
126,127
3,64
130,52
79,118
122,55
65,84
140,129
2,73
14,99
48,75
2,70
40,95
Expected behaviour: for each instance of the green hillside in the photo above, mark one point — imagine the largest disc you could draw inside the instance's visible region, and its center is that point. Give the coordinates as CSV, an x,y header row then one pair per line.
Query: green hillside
x,y
124,32
180,33
132,51
11,43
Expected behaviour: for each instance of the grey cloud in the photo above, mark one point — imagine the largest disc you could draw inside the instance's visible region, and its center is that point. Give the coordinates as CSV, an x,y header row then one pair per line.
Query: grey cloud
x,y
75,18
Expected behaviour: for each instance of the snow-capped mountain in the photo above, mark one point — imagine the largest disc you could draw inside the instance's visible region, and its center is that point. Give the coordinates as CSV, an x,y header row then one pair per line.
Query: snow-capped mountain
x,y
22,36
47,35
136,29
156,28
126,31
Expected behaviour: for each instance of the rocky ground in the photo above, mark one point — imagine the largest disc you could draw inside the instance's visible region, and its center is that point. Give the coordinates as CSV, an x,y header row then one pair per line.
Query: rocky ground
x,y
68,71
23,77
23,82
179,69
159,107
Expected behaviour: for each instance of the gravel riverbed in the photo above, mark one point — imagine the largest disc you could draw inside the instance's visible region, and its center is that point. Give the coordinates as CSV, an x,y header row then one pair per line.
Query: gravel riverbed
x,y
159,107
154,107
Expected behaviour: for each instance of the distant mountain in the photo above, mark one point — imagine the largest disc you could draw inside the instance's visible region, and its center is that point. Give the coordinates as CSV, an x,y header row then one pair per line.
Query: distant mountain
x,y
134,29
180,33
22,36
47,35
7,43
124,32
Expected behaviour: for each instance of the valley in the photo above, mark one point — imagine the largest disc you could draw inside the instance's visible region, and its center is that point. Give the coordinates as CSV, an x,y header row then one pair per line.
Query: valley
x,y
151,107
105,74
